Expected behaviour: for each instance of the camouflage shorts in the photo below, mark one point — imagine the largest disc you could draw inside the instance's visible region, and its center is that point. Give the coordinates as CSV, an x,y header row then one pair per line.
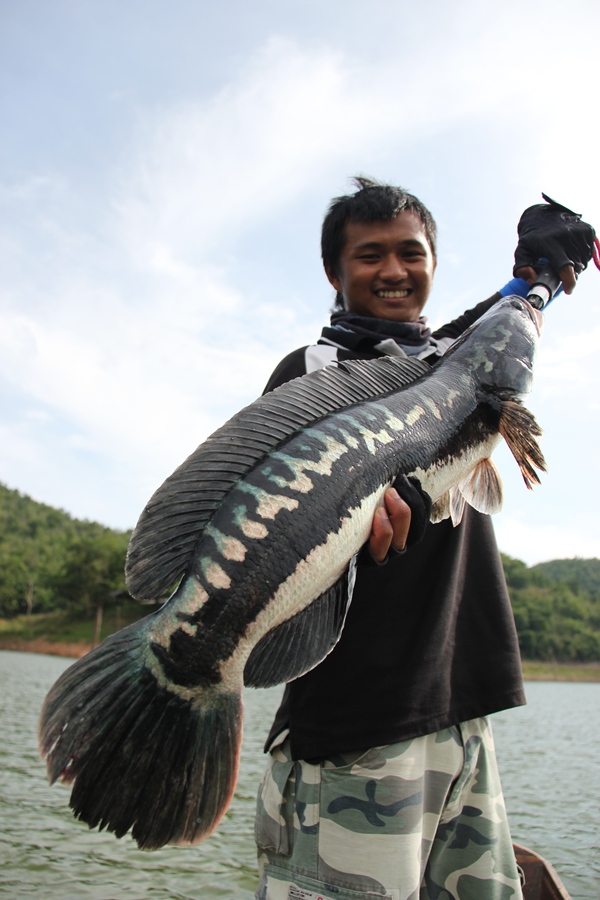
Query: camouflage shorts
x,y
418,820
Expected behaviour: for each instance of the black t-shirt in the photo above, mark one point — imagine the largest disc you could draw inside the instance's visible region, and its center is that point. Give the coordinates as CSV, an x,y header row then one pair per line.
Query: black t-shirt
x,y
429,639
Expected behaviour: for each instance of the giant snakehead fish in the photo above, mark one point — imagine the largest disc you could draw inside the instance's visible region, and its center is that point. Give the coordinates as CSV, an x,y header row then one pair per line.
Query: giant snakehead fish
x,y
258,529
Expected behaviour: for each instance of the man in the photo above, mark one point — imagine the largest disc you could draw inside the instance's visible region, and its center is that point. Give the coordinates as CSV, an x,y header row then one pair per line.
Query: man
x,y
382,779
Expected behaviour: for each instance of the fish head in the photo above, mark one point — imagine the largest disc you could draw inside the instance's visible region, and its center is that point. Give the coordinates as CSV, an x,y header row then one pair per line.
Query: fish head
x,y
498,350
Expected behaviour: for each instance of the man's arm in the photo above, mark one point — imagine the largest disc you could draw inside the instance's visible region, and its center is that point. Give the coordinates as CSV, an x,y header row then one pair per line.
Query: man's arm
x,y
455,328
546,231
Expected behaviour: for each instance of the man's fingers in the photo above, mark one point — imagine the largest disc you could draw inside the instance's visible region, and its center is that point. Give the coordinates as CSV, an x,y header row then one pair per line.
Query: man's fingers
x,y
399,515
391,524
382,533
527,273
567,276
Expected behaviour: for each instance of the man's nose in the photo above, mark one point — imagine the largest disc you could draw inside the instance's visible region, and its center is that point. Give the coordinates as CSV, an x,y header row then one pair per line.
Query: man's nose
x,y
393,268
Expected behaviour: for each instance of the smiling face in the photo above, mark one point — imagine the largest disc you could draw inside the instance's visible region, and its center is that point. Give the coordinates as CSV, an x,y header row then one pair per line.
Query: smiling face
x,y
386,268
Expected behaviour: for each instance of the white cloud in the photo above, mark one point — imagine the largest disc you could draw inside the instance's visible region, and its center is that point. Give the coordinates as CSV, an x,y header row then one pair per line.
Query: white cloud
x,y
123,323
204,169
536,542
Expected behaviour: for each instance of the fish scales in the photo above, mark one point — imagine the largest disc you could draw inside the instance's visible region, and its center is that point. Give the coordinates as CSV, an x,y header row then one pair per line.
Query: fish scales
x,y
327,462
266,576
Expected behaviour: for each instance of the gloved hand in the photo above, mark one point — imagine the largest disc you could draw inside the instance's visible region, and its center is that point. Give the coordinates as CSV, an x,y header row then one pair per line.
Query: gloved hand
x,y
401,522
553,232
420,504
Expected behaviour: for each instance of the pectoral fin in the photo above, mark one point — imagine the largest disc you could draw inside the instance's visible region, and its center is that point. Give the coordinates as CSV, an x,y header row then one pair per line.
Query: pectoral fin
x,y
520,430
482,488
457,505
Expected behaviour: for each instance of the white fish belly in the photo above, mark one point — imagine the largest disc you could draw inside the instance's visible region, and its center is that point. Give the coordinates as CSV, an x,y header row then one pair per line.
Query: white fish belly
x,y
444,475
315,574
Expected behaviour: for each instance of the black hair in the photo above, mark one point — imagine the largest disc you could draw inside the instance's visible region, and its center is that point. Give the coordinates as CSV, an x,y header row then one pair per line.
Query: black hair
x,y
373,201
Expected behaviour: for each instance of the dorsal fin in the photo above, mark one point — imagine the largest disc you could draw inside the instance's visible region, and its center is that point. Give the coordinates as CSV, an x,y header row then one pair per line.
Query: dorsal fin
x,y
163,542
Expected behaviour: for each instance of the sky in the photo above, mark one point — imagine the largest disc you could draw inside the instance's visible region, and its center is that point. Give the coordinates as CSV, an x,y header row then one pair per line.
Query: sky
x,y
164,170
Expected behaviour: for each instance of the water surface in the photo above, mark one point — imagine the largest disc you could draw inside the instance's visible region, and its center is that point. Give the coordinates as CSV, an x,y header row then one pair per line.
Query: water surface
x,y
548,759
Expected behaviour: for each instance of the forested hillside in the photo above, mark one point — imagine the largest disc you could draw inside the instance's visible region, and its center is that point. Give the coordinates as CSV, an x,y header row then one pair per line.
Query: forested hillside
x,y
584,573
50,562
556,619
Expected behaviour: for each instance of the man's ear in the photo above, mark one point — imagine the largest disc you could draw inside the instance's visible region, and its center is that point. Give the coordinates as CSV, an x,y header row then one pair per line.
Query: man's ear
x,y
334,281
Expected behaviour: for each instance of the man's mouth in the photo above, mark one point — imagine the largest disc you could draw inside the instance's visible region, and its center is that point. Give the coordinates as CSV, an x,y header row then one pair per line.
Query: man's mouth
x,y
392,295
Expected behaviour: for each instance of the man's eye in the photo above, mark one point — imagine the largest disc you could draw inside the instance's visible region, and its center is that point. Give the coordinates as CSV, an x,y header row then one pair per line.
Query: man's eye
x,y
369,256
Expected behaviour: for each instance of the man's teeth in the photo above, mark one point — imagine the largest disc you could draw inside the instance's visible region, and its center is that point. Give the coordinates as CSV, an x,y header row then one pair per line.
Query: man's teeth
x,y
392,295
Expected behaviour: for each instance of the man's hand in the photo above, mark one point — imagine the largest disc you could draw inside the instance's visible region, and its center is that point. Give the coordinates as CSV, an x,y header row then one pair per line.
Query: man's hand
x,y
553,232
566,275
402,520
391,524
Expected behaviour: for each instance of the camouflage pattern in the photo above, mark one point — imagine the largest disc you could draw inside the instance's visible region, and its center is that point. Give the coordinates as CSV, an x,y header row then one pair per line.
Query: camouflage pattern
x,y
418,820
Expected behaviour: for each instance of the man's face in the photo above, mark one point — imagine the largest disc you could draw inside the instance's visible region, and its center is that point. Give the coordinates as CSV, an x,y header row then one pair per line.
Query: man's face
x,y
386,268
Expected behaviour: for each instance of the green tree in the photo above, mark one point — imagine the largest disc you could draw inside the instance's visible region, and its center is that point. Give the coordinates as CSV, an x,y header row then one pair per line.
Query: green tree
x,y
556,620
582,572
41,549
91,577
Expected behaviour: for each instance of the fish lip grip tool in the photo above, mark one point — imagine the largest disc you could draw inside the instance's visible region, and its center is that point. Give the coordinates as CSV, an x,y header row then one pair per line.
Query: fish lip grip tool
x,y
544,287
547,283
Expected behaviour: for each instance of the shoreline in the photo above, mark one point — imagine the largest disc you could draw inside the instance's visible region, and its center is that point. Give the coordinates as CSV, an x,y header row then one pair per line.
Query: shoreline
x,y
533,670
537,670
67,649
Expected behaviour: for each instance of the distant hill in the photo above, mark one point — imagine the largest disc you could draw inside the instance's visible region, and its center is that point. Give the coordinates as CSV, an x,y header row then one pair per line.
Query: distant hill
x,y
583,572
50,560
556,617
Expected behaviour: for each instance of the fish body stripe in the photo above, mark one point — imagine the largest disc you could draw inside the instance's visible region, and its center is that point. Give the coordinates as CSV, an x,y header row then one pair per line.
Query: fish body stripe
x,y
274,532
284,541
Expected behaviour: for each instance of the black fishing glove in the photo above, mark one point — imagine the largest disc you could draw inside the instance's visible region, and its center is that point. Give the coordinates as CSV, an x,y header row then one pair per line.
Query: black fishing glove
x,y
553,232
411,492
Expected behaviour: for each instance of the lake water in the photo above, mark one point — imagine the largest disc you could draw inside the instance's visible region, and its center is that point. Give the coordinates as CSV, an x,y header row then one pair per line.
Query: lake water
x,y
548,757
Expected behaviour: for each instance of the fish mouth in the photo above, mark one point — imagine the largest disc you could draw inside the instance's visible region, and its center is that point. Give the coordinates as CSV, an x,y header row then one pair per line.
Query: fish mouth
x,y
534,314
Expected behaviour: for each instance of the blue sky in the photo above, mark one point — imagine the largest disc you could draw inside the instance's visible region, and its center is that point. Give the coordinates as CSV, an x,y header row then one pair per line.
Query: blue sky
x,y
164,170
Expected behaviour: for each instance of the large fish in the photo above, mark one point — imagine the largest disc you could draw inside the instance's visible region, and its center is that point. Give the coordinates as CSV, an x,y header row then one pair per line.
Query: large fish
x,y
259,527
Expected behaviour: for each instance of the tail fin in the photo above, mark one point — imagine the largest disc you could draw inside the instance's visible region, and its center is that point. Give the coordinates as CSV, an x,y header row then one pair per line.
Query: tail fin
x,y
143,755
